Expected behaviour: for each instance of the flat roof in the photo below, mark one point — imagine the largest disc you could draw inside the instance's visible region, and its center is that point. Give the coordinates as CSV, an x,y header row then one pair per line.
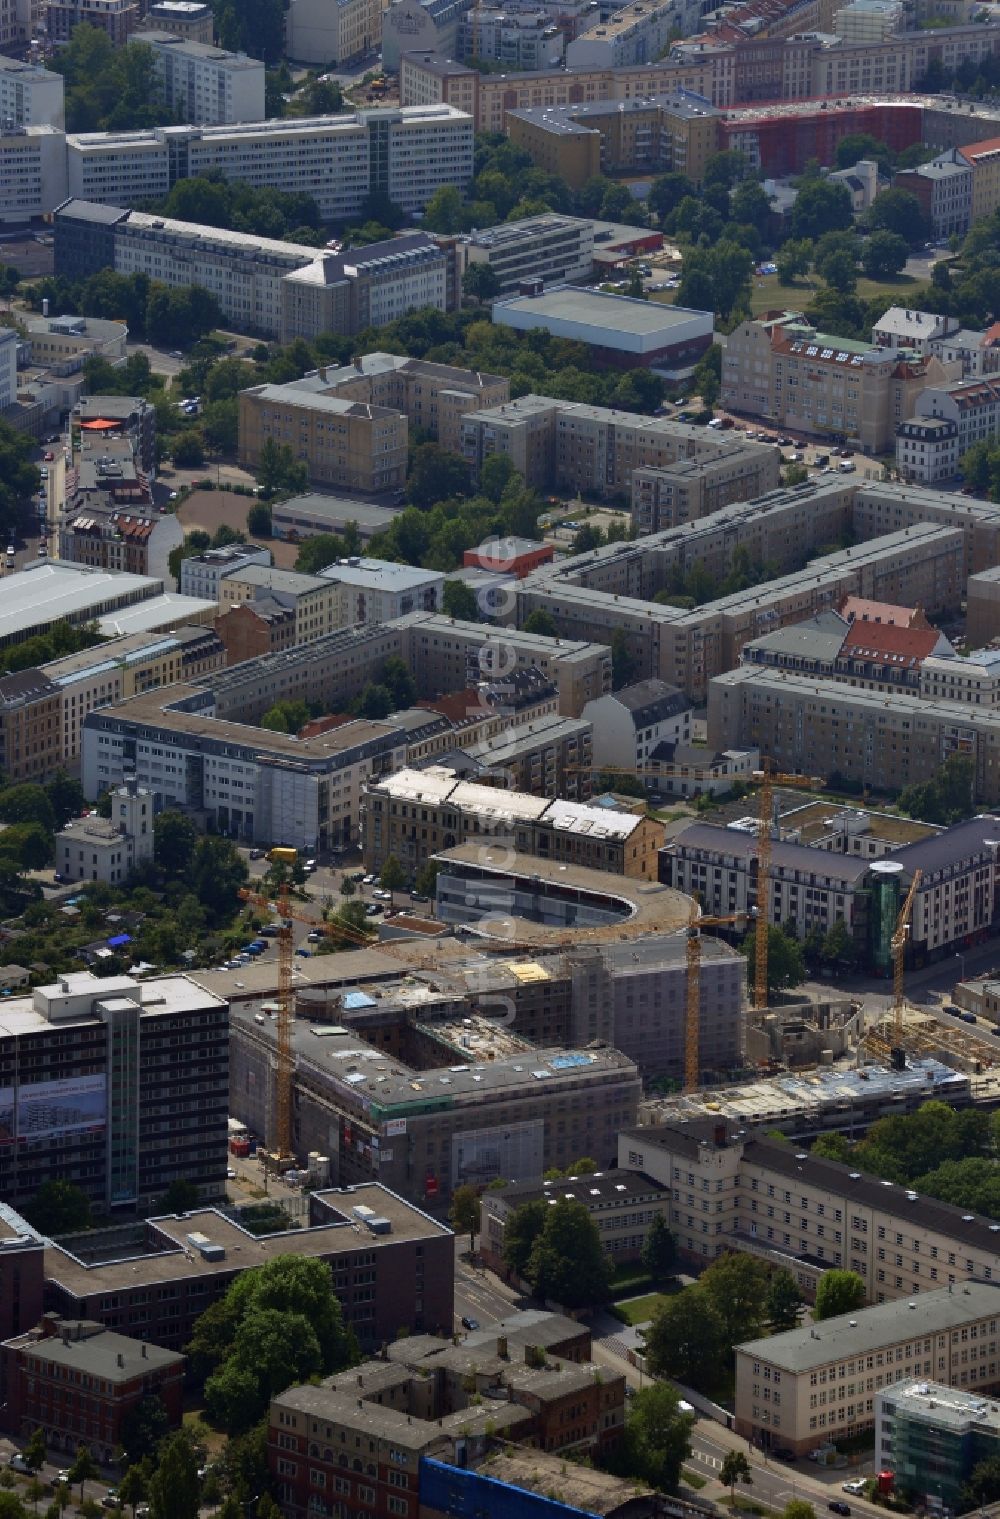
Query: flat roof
x,y
175,1258
850,1334
601,310
44,593
158,612
273,579
583,1488
112,1357
335,510
938,1404
607,1187
379,574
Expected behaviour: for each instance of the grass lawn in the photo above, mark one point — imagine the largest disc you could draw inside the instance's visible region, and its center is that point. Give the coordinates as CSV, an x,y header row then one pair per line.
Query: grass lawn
x,y
639,1310
746,1506
692,1479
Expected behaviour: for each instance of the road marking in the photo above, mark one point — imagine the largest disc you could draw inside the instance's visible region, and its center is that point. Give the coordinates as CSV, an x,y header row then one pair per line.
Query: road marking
x,y
707,1460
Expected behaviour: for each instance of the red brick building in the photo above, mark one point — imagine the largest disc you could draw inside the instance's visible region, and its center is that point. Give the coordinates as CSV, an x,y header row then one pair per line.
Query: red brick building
x,y
249,632
79,1381
22,1275
509,556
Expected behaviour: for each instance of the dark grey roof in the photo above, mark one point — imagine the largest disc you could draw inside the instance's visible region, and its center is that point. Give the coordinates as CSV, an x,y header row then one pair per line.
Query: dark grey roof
x,y
601,1187
819,637
408,242
962,841
23,683
89,210
743,846
650,701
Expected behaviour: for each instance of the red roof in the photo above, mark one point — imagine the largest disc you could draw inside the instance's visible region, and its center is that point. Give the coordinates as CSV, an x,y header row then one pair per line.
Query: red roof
x,y
888,643
99,424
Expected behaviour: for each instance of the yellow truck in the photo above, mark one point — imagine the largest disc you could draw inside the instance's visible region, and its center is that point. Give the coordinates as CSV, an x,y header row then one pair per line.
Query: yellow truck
x,y
282,856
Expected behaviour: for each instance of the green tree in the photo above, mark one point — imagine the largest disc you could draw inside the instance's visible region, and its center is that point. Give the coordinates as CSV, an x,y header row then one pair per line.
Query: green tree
x,y
522,1230
175,838
180,1197
948,798
898,211
667,191
35,1451
657,1438
624,665
567,1260
279,470
435,474
659,1251
735,1468
838,1292
392,876
983,1485
218,871
259,520
174,1491
83,1468
686,1339
737,1285
821,205
785,964
832,1147
706,381
132,1488
458,600
783,1301
188,449
319,552
839,270
798,1508
65,796
839,947
464,1213
445,211
27,803
273,1347
884,255
481,281
58,1207
793,259
426,882
143,1427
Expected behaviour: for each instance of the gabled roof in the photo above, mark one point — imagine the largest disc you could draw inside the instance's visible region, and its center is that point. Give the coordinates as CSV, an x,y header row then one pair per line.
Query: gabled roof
x,y
651,701
903,647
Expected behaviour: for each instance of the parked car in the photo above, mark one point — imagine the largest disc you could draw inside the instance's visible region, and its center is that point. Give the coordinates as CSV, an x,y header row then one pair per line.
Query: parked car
x,y
381,895
837,1506
314,937
256,854
855,1487
468,1322
419,896
306,954
374,910
783,1453
368,880
19,1464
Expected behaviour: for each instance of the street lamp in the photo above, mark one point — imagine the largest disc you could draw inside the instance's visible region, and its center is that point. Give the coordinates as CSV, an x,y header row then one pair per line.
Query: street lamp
x,y
959,956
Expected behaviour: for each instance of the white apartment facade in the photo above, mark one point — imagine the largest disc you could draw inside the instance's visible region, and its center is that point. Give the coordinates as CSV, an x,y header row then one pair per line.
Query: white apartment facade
x,y
117,168
927,449
31,96
973,405
317,31
8,367
635,34
422,147
207,85
32,172
202,574
373,591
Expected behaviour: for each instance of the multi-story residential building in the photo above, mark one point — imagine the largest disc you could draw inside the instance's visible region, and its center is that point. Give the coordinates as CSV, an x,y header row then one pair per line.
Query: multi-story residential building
x,y
809,1387
622,1205
668,495
635,33
880,656
849,873
984,161
972,405
780,368
931,1436
80,1382
332,34
312,600
255,628
155,1281
982,593
344,444
520,40
661,134
972,677
119,18
825,726
30,726
103,417
8,368
631,723
944,189
202,574
206,85
191,20
920,331
548,756
30,95
110,530
108,849
927,449
32,171
371,592
415,813
409,24
98,1089
868,21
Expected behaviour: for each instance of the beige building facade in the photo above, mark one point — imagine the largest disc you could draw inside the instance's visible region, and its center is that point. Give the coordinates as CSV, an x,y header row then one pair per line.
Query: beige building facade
x,y
344,444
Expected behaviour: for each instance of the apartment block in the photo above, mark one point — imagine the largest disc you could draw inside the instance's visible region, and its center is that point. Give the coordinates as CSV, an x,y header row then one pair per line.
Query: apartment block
x,y
549,756
944,189
973,406
927,450
984,160
344,444
155,1279
80,1383
202,574
140,1115
30,726
207,85
415,813
410,24
332,34
519,40
662,134
669,495
255,628
32,172
8,368
622,1205
31,96
372,592
983,607
191,20
119,18
779,368
635,33
823,726
311,599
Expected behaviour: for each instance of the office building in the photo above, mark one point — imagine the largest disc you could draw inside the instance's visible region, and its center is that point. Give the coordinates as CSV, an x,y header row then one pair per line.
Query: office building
x,y
371,592
332,35
202,574
206,85
944,190
550,247
931,1436
32,171
154,1280
780,369
516,39
415,813
631,723
108,849
30,726
619,330
110,1376
190,20
661,134
30,95
344,444
814,1385
622,1205
868,21
432,397
96,1088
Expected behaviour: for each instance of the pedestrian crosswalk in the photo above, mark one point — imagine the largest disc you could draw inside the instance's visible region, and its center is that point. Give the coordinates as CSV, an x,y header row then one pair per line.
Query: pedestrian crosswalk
x,y
704,1459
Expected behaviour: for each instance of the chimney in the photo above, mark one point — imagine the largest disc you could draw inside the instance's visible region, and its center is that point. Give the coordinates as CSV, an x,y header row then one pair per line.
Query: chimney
x,y
720,1135
145,1349
361,1380
121,1362
502,1347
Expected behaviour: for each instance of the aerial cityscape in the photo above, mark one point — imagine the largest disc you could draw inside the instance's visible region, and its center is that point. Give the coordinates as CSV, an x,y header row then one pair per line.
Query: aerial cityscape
x,y
499,759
